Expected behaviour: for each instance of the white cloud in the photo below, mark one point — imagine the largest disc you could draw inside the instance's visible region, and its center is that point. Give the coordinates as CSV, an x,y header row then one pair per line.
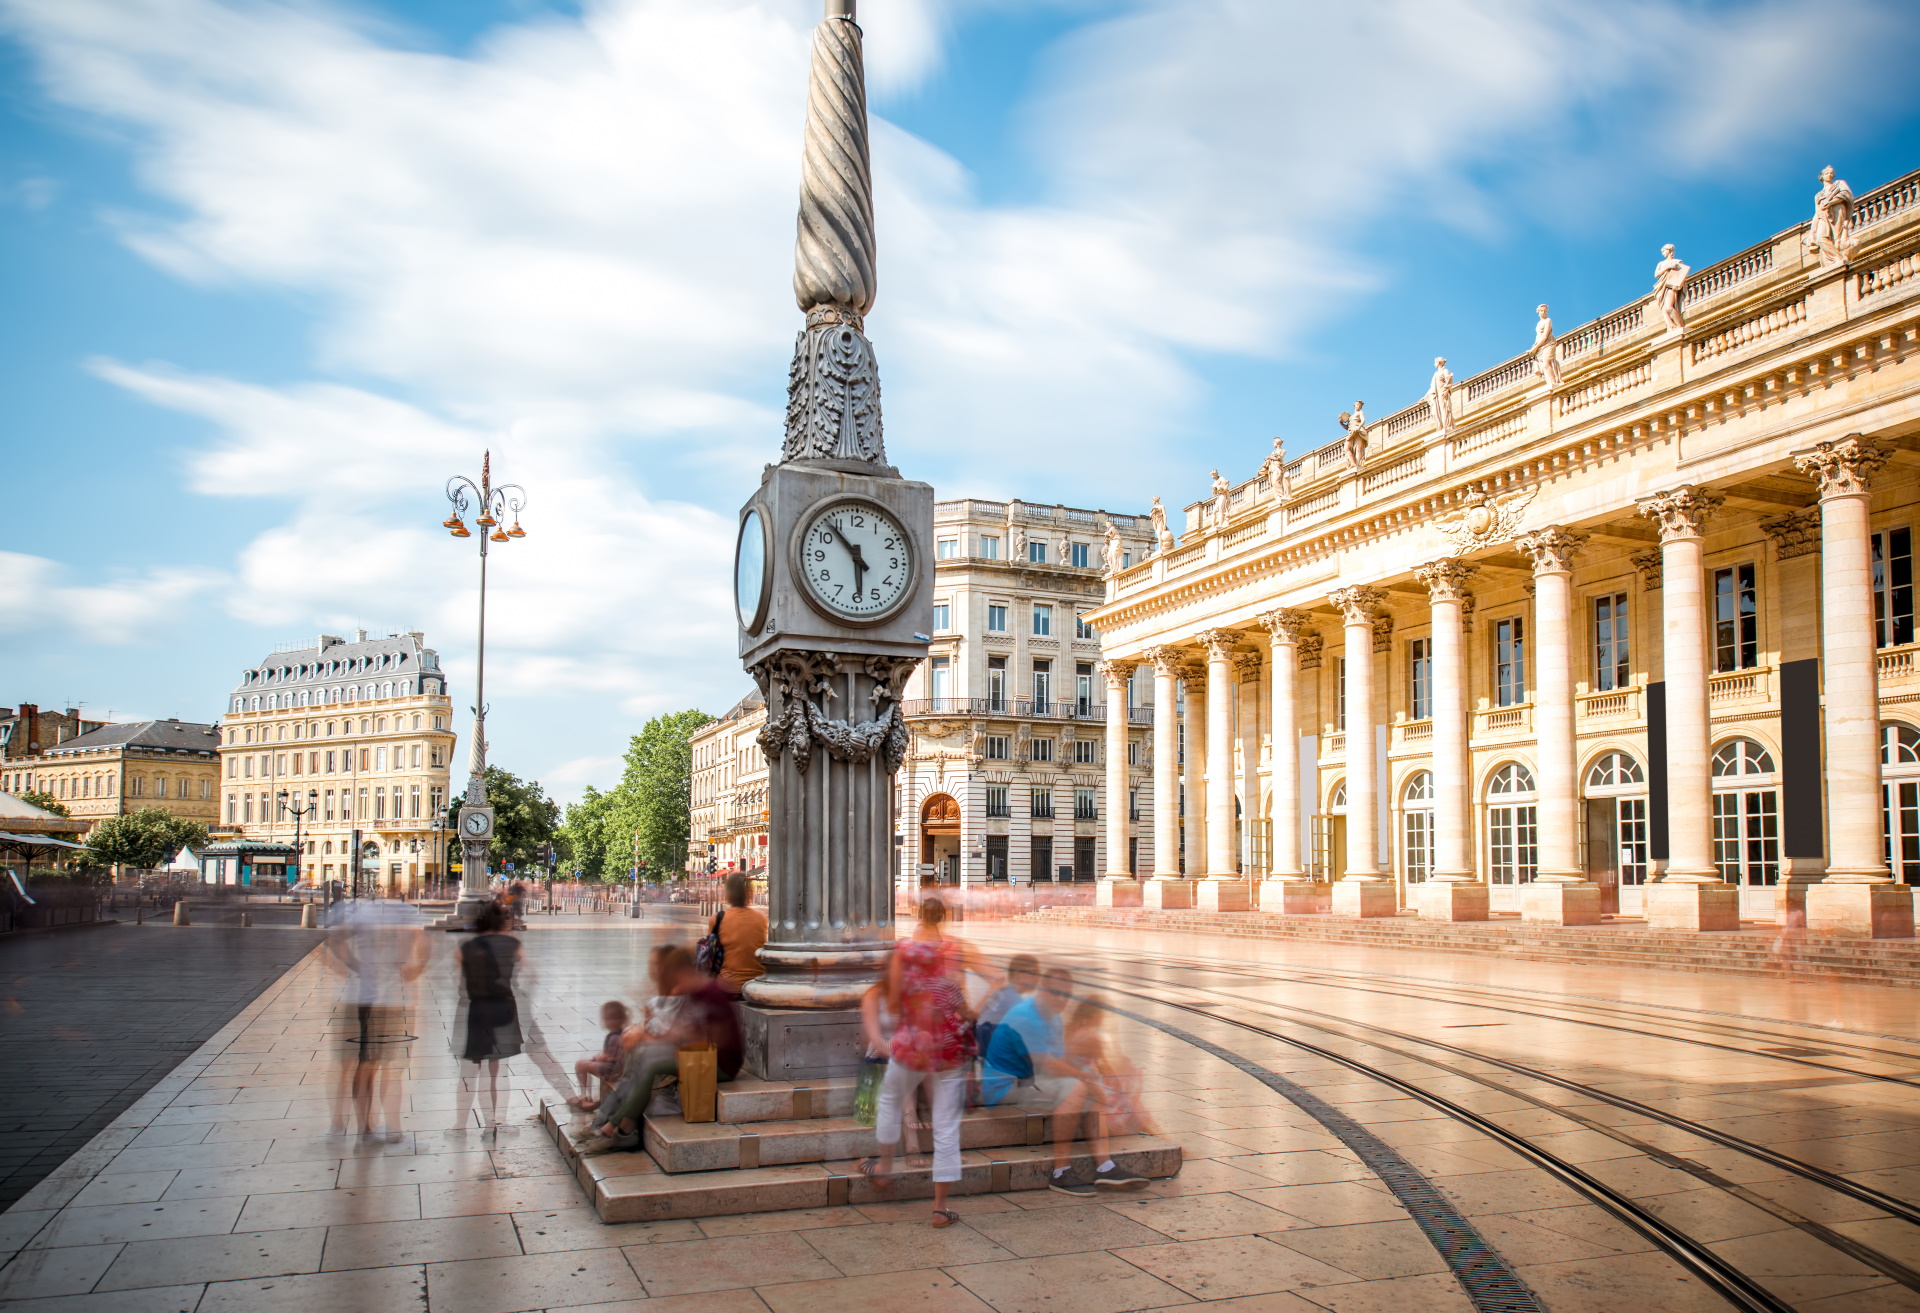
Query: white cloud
x,y
38,598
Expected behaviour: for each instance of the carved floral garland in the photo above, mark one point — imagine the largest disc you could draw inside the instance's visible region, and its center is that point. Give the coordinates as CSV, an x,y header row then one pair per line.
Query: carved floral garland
x,y
803,676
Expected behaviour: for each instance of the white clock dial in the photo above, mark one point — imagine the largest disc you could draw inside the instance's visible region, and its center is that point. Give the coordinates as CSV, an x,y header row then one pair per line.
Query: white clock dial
x,y
476,824
857,560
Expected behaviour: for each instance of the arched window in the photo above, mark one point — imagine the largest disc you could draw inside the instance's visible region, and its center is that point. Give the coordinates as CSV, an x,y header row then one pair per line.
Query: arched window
x,y
1746,814
1513,826
1416,826
1900,798
1337,801
1614,769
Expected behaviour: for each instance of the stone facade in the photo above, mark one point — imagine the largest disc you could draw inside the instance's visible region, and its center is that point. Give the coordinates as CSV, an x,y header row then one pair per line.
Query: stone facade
x,y
117,769
1633,634
1015,721
26,731
365,727
729,831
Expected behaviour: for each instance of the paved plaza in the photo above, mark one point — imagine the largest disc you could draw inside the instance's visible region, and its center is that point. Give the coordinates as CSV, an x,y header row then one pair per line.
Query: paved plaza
x,y
222,1189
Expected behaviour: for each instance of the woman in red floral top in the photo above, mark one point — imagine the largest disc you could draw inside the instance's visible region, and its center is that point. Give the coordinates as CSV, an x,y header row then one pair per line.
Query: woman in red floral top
x,y
933,1043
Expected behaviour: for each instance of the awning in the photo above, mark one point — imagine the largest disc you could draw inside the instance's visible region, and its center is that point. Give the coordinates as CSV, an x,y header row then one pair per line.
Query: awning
x,y
36,841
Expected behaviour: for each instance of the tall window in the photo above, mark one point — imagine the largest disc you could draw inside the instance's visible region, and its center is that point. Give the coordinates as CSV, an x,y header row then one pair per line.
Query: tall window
x,y
939,680
1085,805
1340,696
946,549
1083,752
1081,629
1746,814
1617,815
1611,666
1042,804
1420,679
1037,553
996,683
327,804
1077,554
1042,682
1900,775
1510,662
1736,619
1513,826
996,749
989,548
996,619
942,617
1893,586
1416,827
1042,620
1133,753
1083,689
1042,749
997,801
437,801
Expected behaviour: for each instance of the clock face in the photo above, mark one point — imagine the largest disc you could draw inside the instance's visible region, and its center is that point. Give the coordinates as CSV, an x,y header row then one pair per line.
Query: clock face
x,y
476,824
857,560
750,572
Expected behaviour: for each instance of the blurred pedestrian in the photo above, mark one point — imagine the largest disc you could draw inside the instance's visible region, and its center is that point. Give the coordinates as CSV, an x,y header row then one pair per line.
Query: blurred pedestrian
x,y
1023,977
490,1025
379,950
602,1066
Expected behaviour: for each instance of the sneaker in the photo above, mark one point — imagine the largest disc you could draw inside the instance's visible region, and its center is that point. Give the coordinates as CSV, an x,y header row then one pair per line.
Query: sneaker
x,y
600,1144
1118,1178
1068,1185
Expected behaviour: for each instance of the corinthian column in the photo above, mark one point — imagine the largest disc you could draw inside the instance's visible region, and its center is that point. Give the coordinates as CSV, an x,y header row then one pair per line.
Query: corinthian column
x,y
1287,888
1193,676
1452,892
1118,887
1560,893
1167,888
1223,890
1689,895
1859,896
1361,889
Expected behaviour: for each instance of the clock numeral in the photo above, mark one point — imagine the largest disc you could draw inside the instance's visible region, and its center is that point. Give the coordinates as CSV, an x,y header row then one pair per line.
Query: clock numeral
x,y
859,522
826,576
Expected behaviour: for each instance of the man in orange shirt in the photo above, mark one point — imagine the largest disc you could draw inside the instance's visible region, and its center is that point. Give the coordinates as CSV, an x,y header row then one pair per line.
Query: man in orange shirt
x,y
743,932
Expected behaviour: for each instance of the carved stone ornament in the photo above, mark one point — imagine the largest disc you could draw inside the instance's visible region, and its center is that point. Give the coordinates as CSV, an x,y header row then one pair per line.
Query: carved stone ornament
x,y
1114,668
1193,674
1219,642
1485,520
1312,645
1552,548
1357,604
1650,565
1468,602
1248,664
1440,397
1446,581
1285,626
1797,533
1845,467
833,398
800,677
1383,631
1546,356
1682,512
1669,289
1830,235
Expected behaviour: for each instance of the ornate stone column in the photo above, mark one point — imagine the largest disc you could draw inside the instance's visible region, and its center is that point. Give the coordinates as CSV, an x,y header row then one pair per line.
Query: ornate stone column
x,y
1689,895
1223,890
1858,896
1247,667
1361,889
1193,675
1453,891
1118,886
1560,893
1167,888
1287,888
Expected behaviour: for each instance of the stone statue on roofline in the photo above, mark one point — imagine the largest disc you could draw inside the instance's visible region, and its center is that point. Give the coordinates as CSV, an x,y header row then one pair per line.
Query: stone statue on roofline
x,y
1276,471
1830,235
1355,423
1222,501
1440,397
1157,514
1669,284
1546,361
1111,551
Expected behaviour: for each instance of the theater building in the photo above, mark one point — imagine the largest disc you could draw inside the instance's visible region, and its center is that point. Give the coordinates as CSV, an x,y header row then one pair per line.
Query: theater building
x,y
1623,625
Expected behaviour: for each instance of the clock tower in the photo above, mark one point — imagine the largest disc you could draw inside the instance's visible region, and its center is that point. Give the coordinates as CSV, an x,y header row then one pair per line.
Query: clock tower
x,y
834,590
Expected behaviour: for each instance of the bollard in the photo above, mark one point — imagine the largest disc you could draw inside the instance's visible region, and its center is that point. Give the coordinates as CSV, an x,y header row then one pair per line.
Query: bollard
x,y
307,921
181,917
246,921
139,914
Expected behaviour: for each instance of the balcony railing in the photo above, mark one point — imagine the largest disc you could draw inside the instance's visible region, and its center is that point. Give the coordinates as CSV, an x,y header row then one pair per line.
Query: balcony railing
x,y
1020,707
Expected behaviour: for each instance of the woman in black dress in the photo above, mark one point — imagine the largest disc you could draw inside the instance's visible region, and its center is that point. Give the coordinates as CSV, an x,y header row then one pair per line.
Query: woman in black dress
x,y
492,1030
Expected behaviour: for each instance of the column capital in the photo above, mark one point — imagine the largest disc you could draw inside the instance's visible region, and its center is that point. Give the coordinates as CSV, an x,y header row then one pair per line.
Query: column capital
x,y
1312,644
1552,548
1248,664
1844,467
1192,673
1164,660
1357,603
1682,512
1219,643
1117,668
1797,533
1285,627
1446,580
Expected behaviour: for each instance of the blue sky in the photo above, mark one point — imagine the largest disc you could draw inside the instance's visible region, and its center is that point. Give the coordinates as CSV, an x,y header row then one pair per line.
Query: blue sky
x,y
275,271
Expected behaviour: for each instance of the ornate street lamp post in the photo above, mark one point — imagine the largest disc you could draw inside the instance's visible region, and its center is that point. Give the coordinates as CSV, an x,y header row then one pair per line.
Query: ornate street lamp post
x,y
494,503
298,812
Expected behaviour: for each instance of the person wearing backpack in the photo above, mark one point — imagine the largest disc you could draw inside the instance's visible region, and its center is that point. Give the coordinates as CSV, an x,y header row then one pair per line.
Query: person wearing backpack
x,y
730,952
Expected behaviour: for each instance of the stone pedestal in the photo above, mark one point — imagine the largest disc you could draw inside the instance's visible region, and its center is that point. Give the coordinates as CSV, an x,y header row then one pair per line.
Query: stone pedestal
x,y
800,1044
1223,896
1117,893
1674,906
1364,898
1451,901
1578,903
1295,897
1860,911
1167,894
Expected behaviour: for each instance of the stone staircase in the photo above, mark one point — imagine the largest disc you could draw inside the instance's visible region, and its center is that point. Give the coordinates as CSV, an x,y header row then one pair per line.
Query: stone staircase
x,y
1756,949
783,1145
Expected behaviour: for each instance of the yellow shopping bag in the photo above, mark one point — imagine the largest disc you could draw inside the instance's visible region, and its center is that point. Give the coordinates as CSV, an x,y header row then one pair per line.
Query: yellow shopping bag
x,y
699,1081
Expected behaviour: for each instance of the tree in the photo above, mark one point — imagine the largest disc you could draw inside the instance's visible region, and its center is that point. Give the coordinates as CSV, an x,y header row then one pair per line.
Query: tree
x,y
656,792
45,802
146,838
524,818
584,838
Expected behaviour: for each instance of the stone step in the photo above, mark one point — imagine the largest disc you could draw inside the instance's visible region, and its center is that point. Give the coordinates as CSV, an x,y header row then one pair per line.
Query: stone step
x,y
1758,949
747,1100
681,1146
630,1187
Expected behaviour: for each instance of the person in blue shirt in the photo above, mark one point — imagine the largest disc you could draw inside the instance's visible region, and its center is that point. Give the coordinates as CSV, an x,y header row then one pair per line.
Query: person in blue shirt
x,y
1026,1066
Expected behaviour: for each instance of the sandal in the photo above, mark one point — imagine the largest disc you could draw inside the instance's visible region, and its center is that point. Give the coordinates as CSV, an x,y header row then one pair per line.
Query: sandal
x,y
941,1217
875,1179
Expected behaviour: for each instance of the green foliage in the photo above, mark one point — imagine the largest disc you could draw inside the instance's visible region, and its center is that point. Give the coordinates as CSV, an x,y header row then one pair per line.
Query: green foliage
x,y
146,838
524,818
649,813
45,802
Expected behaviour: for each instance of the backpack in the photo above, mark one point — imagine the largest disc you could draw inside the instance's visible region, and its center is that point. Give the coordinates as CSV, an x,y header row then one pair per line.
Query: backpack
x,y
708,954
